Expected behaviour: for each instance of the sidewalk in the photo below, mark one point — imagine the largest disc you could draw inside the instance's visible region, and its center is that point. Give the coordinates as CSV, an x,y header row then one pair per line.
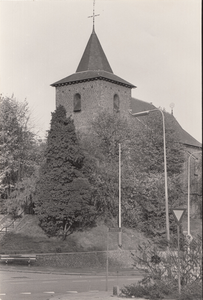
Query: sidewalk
x,y
94,295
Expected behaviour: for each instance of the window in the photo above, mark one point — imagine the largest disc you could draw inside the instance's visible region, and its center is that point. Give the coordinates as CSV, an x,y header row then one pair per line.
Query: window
x,y
116,103
77,103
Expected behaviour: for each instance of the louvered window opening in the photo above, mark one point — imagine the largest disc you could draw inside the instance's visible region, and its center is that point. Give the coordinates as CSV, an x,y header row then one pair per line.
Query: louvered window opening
x,y
77,103
116,103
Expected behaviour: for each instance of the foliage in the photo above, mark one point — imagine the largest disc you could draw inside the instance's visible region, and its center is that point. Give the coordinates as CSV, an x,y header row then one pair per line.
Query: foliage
x,y
21,152
142,163
192,291
151,291
22,197
162,271
146,206
63,199
196,186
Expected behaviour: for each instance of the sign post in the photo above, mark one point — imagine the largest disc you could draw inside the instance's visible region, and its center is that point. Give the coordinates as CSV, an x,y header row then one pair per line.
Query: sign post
x,y
107,258
178,214
113,229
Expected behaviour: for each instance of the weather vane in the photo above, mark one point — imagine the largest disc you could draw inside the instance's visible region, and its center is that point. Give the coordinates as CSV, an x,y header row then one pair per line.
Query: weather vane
x,y
93,16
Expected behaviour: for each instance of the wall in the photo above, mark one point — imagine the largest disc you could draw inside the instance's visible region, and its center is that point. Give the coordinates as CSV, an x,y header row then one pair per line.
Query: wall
x,y
95,96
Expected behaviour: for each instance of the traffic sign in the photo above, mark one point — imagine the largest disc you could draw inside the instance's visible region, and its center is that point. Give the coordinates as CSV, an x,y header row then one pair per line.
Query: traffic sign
x,y
178,214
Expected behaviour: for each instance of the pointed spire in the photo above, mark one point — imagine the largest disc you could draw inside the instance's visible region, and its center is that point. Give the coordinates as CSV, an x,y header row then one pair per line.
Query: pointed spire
x,y
94,57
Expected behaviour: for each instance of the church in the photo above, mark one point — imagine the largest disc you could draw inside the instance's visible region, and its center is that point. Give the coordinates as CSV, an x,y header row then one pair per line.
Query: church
x,y
94,87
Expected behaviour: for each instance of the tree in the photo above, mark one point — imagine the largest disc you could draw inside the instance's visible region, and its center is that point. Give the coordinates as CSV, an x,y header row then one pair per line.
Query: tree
x,y
63,200
196,187
143,196
20,151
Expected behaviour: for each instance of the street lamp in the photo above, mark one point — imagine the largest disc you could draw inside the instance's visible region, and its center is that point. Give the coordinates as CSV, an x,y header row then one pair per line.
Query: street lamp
x,y
144,113
188,213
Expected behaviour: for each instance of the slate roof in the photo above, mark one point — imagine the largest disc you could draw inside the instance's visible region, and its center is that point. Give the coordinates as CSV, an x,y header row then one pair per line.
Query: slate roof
x,y
93,66
185,138
94,57
140,105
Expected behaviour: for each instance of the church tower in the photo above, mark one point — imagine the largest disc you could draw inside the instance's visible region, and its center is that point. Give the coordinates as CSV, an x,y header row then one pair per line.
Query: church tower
x,y
93,87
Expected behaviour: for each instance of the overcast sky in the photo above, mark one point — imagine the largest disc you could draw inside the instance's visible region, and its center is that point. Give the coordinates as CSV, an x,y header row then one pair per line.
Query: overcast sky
x,y
153,44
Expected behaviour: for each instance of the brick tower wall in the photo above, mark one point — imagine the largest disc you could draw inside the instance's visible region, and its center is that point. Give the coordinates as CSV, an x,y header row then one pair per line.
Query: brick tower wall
x,y
96,95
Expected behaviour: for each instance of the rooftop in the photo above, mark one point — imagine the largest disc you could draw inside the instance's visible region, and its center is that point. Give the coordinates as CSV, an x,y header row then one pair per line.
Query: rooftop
x,y
185,138
93,66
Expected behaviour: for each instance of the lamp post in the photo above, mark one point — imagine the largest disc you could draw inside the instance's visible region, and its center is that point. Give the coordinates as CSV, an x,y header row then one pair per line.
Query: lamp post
x,y
144,113
119,202
188,212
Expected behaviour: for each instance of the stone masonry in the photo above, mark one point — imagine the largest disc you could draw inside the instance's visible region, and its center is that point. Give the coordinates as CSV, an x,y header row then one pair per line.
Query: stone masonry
x,y
95,95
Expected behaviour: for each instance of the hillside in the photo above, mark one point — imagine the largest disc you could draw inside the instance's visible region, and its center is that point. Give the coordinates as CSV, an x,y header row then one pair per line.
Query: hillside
x,y
28,237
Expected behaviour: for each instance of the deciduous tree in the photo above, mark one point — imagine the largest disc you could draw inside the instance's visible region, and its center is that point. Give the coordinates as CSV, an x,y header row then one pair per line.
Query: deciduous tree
x,y
20,151
142,156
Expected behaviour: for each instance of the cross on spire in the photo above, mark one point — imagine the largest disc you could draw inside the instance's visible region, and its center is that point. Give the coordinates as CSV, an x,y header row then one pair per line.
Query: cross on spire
x,y
93,16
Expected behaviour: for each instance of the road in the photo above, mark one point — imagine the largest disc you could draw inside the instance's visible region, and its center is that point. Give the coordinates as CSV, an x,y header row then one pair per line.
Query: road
x,y
37,286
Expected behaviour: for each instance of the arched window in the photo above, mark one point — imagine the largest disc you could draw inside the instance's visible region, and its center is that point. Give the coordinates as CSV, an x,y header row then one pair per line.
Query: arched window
x,y
116,103
77,103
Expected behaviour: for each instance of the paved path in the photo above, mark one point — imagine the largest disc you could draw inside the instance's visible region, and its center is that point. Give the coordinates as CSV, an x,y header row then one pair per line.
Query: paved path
x,y
91,296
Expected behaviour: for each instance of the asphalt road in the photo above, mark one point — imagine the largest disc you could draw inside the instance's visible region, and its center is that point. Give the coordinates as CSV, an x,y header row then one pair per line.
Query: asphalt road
x,y
37,286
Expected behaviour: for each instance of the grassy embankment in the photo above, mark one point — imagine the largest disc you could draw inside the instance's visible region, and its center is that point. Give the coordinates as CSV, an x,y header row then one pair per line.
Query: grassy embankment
x,y
28,237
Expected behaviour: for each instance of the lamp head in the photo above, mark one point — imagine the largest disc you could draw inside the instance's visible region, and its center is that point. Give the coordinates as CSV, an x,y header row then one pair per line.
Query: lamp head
x,y
140,114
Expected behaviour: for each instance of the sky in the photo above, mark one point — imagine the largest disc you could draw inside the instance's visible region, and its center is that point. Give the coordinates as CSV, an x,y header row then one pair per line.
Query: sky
x,y
153,44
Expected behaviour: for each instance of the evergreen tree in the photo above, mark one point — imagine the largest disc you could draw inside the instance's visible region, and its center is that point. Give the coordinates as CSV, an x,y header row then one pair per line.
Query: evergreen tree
x,y
63,199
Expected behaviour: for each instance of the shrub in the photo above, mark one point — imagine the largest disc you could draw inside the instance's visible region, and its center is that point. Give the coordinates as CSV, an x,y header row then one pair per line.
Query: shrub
x,y
133,290
161,276
191,291
151,291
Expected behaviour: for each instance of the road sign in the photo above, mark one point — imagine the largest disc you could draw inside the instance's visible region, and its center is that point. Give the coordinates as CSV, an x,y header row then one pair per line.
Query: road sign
x,y
178,214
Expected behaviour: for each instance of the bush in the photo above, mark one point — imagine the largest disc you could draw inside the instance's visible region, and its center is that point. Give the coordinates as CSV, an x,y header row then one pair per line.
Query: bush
x,y
161,276
191,292
133,290
150,291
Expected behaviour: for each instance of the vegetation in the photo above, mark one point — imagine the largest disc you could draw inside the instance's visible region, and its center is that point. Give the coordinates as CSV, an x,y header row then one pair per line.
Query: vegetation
x,y
196,187
28,237
161,269
21,153
143,196
78,178
63,200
